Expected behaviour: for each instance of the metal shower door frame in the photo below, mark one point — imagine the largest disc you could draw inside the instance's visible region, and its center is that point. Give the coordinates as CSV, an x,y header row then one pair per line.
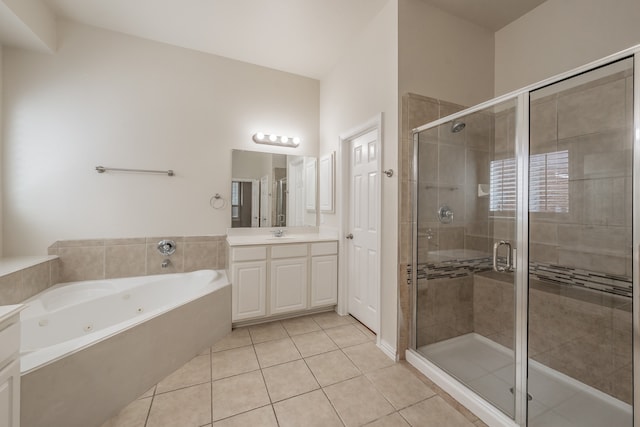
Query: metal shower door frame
x,y
522,223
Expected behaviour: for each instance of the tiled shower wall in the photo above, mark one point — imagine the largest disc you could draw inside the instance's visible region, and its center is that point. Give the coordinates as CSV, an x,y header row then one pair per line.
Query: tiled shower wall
x,y
113,258
416,110
583,334
594,123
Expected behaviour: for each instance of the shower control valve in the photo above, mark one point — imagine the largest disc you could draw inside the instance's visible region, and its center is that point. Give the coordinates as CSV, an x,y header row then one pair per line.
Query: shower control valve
x,y
166,247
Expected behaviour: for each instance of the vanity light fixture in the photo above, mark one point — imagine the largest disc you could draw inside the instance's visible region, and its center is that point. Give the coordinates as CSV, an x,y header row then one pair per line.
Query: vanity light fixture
x,y
278,140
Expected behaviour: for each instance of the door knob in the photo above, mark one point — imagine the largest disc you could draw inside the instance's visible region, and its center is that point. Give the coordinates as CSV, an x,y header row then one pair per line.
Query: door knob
x,y
349,236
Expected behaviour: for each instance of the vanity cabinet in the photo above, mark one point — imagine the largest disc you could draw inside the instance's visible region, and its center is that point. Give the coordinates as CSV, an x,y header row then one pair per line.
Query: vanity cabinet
x,y
249,278
324,274
289,282
10,366
272,280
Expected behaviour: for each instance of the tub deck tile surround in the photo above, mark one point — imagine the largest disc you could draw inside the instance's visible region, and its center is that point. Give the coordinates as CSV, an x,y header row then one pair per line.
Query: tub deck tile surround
x,y
23,277
93,259
343,383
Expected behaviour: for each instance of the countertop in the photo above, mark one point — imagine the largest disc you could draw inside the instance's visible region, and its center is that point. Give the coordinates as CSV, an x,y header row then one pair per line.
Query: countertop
x,y
268,239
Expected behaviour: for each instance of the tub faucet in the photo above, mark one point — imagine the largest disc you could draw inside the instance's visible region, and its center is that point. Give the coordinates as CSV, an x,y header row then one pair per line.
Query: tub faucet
x,y
165,263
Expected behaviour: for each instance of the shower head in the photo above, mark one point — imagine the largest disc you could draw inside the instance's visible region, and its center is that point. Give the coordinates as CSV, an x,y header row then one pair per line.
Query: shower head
x,y
457,126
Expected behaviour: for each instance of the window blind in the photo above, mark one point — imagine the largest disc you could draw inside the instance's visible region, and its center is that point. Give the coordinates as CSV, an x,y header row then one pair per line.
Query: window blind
x,y
548,183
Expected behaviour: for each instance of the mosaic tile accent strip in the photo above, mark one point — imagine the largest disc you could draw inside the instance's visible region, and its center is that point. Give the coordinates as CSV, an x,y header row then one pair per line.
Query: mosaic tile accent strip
x,y
560,275
454,268
608,283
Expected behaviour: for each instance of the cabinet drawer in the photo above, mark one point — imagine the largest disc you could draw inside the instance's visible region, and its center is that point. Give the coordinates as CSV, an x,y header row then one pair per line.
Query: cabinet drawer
x,y
324,248
9,342
249,253
288,251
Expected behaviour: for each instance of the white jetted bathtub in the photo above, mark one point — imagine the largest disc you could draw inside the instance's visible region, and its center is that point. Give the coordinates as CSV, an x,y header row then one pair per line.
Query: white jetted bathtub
x,y
89,348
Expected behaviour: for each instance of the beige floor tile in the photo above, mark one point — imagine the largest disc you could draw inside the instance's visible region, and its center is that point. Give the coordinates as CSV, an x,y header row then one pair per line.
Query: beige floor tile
x,y
233,362
313,343
205,352
308,410
241,393
434,412
330,368
196,371
393,420
237,338
133,415
368,357
267,332
187,407
331,319
275,352
346,336
288,380
399,386
300,325
366,331
148,393
357,401
261,417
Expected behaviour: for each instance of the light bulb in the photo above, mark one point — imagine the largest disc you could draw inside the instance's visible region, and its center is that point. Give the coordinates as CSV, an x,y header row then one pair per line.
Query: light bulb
x,y
296,140
284,139
260,135
273,138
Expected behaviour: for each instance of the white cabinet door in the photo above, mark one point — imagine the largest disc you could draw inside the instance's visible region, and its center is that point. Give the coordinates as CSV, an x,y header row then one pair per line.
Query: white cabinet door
x,y
10,395
324,280
288,285
248,290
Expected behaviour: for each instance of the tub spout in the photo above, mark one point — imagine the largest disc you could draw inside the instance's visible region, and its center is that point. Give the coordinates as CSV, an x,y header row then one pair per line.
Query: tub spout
x,y
165,263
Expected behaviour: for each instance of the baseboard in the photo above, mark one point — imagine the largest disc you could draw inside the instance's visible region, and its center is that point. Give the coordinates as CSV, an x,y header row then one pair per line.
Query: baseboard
x,y
387,349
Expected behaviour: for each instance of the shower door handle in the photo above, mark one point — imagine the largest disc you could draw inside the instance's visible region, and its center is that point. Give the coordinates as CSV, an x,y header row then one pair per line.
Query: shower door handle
x,y
509,263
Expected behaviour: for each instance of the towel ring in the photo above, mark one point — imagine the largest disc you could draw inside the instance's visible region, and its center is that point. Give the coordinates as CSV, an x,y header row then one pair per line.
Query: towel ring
x,y
217,202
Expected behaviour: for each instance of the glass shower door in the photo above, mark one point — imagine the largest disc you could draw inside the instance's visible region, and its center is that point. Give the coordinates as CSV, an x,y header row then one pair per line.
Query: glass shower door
x,y
466,179
580,250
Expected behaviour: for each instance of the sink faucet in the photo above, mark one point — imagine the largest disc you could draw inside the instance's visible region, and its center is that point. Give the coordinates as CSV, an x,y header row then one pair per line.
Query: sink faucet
x,y
278,233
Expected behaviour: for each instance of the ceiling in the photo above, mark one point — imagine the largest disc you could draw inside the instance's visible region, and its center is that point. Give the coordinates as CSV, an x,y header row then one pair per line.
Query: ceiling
x,y
490,14
304,37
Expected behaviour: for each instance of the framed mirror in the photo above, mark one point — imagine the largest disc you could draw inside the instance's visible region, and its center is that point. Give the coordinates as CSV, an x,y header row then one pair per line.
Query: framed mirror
x,y
272,190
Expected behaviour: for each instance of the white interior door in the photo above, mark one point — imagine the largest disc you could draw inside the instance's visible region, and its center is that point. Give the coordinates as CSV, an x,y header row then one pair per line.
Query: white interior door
x,y
265,202
362,244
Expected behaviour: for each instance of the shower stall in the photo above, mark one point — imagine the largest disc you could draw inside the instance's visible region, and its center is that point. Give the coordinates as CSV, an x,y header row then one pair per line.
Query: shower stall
x,y
525,256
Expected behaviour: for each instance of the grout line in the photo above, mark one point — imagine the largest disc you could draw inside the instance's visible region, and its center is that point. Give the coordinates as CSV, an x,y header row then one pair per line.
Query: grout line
x,y
275,415
182,388
153,396
211,383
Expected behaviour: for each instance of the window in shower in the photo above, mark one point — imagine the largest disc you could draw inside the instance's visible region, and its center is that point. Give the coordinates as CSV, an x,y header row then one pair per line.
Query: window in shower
x,y
548,183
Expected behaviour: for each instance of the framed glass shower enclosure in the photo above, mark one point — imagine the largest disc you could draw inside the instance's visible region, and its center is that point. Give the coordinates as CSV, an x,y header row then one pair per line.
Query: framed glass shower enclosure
x,y
525,264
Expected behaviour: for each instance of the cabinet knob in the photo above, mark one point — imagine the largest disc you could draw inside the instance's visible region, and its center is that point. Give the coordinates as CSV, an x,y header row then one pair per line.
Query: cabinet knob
x,y
349,236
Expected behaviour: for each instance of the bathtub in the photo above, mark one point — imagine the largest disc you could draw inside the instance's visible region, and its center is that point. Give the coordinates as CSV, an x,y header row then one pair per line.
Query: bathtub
x,y
89,348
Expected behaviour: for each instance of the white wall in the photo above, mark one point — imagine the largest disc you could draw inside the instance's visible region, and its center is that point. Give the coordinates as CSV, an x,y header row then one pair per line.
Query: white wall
x,y
443,56
114,100
1,150
560,35
361,85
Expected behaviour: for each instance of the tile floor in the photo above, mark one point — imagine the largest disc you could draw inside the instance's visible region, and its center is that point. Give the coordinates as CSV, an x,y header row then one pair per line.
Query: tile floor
x,y
319,370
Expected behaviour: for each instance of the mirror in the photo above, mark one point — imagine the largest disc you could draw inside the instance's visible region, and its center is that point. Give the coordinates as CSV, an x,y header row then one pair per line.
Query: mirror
x,y
272,190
